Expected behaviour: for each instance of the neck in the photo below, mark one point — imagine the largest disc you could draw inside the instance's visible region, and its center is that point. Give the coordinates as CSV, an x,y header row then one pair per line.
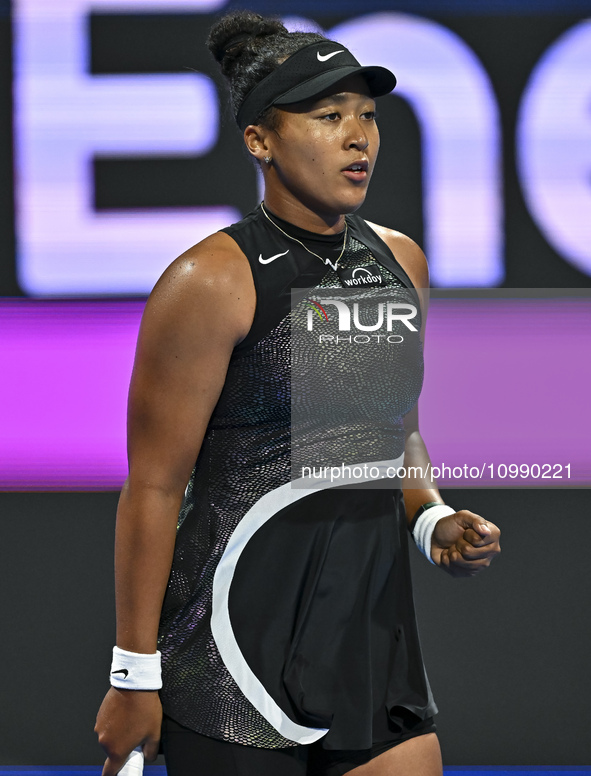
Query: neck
x,y
324,241
297,213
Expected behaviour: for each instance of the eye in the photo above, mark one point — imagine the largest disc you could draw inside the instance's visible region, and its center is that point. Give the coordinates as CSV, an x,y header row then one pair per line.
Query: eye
x,y
330,116
370,115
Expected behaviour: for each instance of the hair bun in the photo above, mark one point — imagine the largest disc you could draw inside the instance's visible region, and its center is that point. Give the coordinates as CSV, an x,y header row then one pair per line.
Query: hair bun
x,y
229,36
249,47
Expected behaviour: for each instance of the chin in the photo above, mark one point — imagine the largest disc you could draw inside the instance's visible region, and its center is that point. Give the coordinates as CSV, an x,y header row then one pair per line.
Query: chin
x,y
352,204
348,202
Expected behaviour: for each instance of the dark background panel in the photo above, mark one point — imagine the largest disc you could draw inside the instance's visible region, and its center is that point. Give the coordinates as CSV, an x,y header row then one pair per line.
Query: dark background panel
x,y
57,604
506,652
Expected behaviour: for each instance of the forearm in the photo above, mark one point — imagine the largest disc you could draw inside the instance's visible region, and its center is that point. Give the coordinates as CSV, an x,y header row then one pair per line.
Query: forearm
x,y
144,546
418,488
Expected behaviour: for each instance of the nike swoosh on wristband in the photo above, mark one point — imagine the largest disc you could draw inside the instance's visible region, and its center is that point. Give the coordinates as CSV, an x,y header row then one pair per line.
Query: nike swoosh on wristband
x,y
121,671
322,58
272,258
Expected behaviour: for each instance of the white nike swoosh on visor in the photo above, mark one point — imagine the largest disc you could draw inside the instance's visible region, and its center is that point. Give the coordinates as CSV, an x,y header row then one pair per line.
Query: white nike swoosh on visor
x,y
322,58
272,258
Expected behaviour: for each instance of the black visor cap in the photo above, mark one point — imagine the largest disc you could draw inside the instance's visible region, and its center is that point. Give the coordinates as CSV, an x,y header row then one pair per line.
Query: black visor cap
x,y
307,73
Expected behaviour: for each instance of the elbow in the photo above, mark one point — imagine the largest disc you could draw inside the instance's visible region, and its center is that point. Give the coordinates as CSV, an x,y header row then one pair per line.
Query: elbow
x,y
163,489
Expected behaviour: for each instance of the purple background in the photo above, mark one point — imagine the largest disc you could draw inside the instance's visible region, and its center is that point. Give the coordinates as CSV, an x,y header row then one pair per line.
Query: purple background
x,y
65,371
507,382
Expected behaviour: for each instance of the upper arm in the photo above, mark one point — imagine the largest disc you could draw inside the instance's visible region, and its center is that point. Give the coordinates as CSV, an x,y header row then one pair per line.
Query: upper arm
x,y
201,307
414,263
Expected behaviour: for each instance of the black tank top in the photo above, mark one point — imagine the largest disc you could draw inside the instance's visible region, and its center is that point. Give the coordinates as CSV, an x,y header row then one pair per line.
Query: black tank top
x,y
274,278
233,668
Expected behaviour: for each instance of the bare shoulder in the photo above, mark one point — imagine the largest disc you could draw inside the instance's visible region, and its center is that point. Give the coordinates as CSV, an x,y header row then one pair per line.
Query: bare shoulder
x,y
215,266
210,281
407,253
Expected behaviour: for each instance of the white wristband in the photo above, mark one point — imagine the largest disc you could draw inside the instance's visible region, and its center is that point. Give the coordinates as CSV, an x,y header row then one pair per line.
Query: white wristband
x,y
425,525
135,670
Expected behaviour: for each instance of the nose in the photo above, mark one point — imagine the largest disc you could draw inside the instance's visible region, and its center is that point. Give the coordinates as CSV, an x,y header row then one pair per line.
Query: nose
x,y
358,137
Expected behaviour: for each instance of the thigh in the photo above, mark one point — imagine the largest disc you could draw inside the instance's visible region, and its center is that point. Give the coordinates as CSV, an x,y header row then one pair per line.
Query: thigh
x,y
190,754
418,756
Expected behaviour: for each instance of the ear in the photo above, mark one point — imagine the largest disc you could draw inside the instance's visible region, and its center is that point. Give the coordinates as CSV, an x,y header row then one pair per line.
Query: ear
x,y
255,138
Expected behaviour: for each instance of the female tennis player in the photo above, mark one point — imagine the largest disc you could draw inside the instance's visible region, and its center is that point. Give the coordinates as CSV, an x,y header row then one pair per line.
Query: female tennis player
x,y
265,621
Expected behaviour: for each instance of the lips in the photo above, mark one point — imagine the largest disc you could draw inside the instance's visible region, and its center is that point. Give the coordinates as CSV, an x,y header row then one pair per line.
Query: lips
x,y
357,171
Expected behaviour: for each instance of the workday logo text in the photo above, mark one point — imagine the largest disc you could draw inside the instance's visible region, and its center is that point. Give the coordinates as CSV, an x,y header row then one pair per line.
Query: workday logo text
x,y
363,276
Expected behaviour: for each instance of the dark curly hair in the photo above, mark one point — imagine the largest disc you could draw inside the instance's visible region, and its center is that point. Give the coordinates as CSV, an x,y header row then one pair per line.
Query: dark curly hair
x,y
248,48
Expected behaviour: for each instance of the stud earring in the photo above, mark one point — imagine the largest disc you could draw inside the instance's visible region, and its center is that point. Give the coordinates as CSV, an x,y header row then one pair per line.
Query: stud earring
x,y
268,159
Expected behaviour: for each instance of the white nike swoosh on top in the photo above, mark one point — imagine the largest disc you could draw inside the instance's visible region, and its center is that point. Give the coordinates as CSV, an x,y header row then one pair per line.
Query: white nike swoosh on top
x,y
322,58
272,258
